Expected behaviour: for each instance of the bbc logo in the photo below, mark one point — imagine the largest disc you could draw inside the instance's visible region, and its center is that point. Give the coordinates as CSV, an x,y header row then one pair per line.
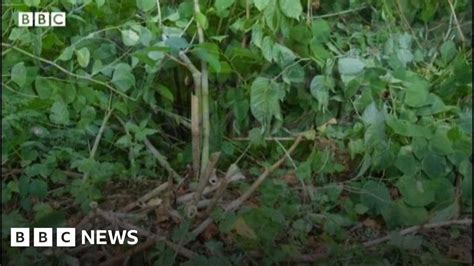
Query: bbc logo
x,y
42,237
41,19
66,237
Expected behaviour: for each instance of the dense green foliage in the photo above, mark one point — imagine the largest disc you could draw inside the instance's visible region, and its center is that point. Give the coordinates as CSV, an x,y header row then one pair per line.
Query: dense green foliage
x,y
382,88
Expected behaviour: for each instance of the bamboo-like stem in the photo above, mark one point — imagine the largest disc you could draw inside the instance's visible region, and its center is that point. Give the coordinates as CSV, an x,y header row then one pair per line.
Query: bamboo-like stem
x,y
195,132
204,97
203,180
195,112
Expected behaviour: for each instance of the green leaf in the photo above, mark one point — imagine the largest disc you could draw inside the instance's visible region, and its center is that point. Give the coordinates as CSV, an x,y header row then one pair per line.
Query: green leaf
x,y
18,74
407,164
130,37
59,113
291,8
99,3
201,20
66,55
434,165
350,66
146,5
375,196
222,5
321,30
405,128
165,92
320,86
34,3
448,51
45,87
83,56
123,78
261,4
264,101
209,52
415,192
417,93
38,188
267,48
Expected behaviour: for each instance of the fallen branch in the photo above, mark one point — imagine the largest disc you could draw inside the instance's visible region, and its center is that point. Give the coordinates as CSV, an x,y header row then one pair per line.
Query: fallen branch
x,y
155,192
416,228
151,238
239,201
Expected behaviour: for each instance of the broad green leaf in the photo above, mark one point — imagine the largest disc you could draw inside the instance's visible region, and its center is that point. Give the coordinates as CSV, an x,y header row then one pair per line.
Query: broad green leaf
x,y
350,66
407,164
320,87
405,128
257,35
165,92
146,5
415,192
283,55
416,88
83,56
18,74
38,188
45,87
130,37
66,55
267,48
434,165
264,101
202,20
294,74
441,144
123,78
291,8
448,51
321,30
375,196
99,3
209,52
34,3
261,4
446,214
59,113
372,116
222,5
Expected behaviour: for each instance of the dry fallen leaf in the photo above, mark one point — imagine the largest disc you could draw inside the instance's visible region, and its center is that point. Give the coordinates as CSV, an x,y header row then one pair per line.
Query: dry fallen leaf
x,y
242,229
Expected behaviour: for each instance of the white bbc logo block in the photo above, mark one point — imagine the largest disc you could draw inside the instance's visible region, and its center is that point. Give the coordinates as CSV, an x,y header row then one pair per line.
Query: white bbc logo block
x,y
20,237
43,237
25,19
65,237
41,19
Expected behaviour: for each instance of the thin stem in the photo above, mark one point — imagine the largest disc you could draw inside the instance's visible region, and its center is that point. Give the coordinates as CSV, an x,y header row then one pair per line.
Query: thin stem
x,y
458,26
99,137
